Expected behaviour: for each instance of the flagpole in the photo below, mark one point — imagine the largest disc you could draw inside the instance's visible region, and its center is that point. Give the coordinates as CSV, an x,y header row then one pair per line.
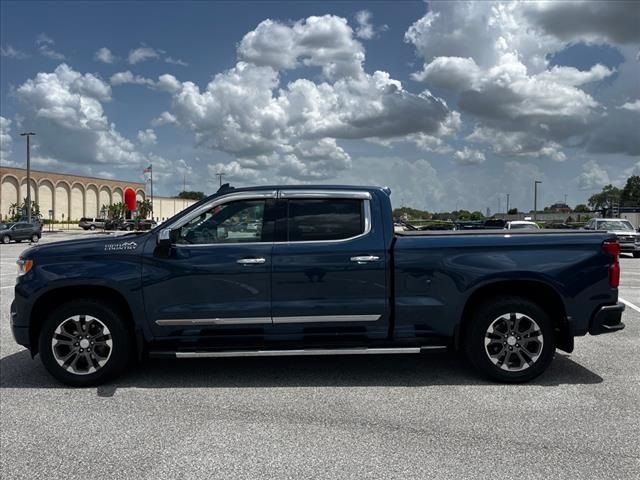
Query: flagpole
x,y
151,171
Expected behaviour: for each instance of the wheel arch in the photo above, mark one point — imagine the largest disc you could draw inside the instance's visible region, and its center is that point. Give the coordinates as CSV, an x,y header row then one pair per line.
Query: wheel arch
x,y
59,295
539,292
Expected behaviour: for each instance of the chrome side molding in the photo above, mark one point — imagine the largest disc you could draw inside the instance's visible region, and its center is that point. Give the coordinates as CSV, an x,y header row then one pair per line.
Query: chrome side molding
x,y
313,351
201,322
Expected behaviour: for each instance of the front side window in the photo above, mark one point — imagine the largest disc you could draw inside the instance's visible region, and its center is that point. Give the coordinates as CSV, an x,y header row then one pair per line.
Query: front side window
x,y
324,219
234,222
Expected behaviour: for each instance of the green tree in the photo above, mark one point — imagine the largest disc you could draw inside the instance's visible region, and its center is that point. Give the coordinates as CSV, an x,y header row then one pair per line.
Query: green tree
x,y
581,208
144,208
513,211
603,200
630,195
115,210
17,211
476,216
188,195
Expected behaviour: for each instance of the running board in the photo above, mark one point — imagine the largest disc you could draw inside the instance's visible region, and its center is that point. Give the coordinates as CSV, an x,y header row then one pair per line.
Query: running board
x,y
288,353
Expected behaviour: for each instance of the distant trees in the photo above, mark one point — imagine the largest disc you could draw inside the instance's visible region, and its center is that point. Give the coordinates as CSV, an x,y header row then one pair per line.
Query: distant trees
x,y
512,211
190,195
630,195
581,208
605,199
144,208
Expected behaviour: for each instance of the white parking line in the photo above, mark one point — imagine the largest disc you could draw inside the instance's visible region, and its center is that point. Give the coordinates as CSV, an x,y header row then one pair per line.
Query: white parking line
x,y
629,304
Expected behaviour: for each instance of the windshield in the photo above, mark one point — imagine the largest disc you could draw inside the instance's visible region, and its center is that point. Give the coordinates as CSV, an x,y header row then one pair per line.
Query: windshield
x,y
615,225
527,226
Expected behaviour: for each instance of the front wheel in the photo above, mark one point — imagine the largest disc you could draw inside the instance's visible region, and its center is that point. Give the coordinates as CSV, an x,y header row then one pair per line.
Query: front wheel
x,y
6,239
510,339
35,238
85,343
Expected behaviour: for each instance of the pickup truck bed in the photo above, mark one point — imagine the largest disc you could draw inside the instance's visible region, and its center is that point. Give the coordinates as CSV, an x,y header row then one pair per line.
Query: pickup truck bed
x,y
312,270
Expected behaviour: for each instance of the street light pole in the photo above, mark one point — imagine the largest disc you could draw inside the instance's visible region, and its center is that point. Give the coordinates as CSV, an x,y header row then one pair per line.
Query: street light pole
x,y
28,135
535,199
220,175
508,194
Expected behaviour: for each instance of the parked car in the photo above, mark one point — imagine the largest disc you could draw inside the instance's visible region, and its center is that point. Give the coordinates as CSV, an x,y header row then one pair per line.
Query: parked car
x,y
113,223
91,223
522,224
324,274
623,229
131,224
20,231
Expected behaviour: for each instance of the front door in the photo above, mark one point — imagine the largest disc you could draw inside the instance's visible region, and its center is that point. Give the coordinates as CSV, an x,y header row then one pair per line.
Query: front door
x,y
330,268
215,281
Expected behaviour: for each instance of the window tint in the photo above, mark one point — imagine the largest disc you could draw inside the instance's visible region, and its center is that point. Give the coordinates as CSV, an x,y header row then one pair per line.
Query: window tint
x,y
333,219
233,222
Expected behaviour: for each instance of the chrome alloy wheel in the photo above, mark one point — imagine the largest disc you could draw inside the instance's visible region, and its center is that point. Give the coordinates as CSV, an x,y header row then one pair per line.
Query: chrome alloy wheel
x,y
513,342
82,344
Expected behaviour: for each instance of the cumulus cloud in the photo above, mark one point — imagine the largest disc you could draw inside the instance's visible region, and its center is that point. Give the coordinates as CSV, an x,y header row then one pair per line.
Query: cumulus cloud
x,y
142,54
147,137
631,106
165,118
10,52
45,47
122,78
105,55
326,42
6,141
468,156
614,22
593,176
365,29
66,104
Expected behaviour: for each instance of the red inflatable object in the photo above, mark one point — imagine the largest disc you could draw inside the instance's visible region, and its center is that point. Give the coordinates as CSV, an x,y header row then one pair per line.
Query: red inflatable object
x,y
130,199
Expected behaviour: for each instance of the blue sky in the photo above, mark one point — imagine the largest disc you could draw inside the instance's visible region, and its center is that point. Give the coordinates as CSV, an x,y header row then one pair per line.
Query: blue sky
x,y
450,104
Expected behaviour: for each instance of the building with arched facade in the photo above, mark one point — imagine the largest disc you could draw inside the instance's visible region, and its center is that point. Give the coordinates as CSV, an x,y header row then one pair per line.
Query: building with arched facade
x,y
74,196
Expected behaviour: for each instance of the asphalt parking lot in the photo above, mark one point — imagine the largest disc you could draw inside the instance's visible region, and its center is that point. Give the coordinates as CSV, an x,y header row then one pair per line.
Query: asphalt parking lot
x,y
343,417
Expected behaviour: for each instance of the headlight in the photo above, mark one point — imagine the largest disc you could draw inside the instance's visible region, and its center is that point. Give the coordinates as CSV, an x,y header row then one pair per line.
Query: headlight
x,y
24,266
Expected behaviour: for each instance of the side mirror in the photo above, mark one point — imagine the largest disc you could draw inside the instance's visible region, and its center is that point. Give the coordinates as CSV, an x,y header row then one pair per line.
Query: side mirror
x,y
166,237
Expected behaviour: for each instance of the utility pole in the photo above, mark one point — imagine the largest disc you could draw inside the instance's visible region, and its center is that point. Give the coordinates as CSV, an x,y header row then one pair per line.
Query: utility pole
x,y
508,194
535,199
28,135
220,175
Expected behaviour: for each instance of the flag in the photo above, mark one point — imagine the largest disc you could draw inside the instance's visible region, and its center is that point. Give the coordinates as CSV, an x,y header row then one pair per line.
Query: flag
x,y
148,169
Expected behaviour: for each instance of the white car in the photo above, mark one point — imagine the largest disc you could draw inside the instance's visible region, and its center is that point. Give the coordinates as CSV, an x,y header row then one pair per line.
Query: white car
x,y
522,225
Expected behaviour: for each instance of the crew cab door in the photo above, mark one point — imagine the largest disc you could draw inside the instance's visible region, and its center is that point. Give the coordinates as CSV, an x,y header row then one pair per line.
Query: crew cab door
x,y
215,279
329,267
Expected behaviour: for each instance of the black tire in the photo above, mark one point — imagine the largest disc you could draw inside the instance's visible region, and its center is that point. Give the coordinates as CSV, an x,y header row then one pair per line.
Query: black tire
x,y
636,254
6,239
35,237
532,358
92,227
120,350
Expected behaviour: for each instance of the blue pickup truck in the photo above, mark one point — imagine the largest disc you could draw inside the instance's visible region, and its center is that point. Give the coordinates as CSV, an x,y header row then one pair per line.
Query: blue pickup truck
x,y
312,270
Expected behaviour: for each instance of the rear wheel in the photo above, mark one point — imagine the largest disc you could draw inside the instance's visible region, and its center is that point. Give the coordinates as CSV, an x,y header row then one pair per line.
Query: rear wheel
x,y
35,238
92,227
6,239
510,339
85,343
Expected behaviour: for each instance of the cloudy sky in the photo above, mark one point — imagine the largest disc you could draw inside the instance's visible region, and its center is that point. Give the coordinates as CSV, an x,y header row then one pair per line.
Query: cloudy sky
x,y
451,104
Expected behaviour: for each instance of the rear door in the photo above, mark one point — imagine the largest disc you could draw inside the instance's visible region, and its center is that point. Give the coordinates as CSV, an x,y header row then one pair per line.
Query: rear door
x,y
21,231
330,267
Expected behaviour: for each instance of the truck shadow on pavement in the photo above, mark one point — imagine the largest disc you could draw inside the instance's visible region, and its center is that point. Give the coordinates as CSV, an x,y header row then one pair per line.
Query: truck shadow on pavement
x,y
20,371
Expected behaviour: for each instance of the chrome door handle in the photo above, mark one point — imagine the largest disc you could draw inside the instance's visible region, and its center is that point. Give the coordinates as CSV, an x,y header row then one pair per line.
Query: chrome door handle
x,y
251,261
362,259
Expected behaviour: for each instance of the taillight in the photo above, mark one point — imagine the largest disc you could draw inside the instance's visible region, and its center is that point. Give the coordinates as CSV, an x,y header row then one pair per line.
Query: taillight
x,y
613,248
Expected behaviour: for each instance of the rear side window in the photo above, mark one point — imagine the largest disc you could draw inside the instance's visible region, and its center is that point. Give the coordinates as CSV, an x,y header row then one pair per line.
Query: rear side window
x,y
325,219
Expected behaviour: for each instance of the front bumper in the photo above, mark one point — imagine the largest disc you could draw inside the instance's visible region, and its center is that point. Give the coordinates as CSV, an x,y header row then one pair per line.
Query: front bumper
x,y
630,247
607,319
20,332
